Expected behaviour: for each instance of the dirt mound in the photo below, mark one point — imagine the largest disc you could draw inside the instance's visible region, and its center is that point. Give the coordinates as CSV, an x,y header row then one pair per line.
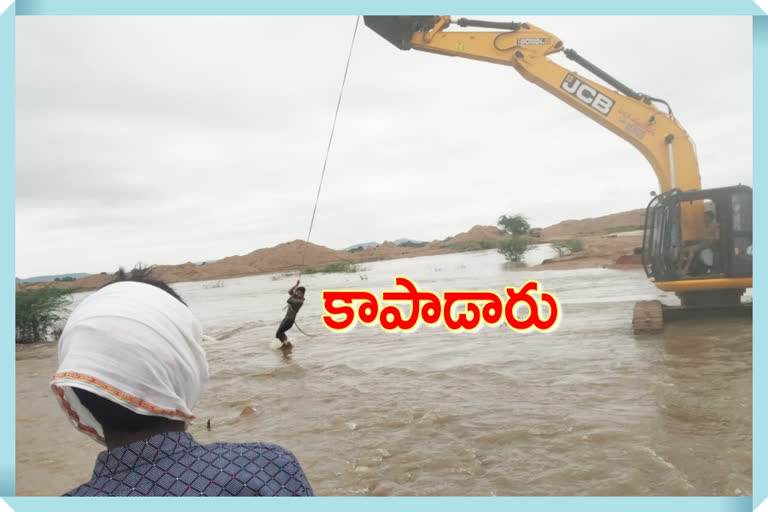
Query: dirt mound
x,y
617,222
390,250
177,273
609,251
284,257
89,282
478,234
94,281
387,250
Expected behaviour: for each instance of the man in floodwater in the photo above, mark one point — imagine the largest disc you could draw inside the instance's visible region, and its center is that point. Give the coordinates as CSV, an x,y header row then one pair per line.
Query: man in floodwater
x,y
295,301
131,368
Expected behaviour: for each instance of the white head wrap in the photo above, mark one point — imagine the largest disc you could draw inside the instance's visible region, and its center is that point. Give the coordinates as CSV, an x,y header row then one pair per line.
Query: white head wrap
x,y
135,345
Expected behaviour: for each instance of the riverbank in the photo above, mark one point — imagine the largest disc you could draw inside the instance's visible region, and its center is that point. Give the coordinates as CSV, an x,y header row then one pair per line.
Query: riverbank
x,y
609,242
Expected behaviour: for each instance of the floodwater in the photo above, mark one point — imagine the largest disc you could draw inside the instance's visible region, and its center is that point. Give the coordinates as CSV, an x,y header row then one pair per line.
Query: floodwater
x,y
589,409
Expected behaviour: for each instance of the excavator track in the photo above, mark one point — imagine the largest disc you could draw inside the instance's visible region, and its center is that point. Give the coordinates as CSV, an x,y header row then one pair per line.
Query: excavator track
x,y
649,316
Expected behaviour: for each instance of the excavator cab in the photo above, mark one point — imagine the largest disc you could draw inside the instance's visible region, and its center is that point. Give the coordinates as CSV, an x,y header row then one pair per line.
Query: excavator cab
x,y
714,257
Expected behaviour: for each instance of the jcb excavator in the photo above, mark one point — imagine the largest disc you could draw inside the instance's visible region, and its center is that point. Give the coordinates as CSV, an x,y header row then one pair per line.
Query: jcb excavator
x,y
696,243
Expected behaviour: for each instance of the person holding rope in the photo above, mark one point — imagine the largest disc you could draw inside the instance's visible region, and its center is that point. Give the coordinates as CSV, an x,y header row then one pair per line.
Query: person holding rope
x,y
296,293
295,301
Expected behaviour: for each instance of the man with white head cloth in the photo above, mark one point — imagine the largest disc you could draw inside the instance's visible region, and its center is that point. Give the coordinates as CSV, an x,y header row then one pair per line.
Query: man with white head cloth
x,y
131,369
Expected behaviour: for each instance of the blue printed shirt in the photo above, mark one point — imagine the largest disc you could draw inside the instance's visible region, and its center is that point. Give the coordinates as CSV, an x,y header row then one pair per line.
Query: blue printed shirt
x,y
174,464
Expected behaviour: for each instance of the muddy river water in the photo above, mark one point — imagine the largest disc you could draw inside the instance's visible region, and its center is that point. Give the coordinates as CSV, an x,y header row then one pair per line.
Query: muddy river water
x,y
588,409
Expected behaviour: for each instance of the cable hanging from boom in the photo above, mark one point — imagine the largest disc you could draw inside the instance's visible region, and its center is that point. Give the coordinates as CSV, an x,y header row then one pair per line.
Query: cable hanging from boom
x,y
325,161
330,141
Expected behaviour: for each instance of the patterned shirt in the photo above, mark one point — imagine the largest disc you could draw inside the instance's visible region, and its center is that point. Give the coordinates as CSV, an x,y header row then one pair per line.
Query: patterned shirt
x,y
174,464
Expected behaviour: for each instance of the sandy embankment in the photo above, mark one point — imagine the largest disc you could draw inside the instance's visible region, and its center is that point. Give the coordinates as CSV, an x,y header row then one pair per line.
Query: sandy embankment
x,y
609,242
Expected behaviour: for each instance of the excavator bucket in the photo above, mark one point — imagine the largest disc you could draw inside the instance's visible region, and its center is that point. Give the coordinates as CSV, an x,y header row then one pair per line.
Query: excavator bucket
x,y
398,30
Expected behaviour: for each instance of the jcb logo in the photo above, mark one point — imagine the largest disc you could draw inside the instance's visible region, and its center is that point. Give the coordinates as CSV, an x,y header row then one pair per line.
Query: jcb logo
x,y
587,94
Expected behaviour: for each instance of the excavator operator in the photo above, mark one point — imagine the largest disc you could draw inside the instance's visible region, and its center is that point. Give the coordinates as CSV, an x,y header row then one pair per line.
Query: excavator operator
x,y
701,258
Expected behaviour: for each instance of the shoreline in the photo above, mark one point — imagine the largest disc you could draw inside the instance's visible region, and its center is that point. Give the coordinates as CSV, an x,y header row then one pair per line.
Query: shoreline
x,y
611,251
608,241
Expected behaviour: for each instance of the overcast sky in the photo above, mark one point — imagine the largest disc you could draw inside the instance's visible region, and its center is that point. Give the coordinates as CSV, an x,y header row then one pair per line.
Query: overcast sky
x,y
164,140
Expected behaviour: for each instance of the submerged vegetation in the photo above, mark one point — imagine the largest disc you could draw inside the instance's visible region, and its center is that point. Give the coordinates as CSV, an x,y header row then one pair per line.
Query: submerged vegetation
x,y
564,247
514,247
334,268
475,245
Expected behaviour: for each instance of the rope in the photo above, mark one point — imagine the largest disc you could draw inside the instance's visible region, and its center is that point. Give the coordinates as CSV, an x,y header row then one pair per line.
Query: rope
x,y
301,331
325,161
330,140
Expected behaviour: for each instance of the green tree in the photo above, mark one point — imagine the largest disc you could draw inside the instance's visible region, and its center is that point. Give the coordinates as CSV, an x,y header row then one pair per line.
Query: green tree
x,y
514,225
38,311
514,247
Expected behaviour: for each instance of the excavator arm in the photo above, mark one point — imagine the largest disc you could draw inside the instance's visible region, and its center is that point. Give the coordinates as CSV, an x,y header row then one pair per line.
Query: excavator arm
x,y
676,224
630,115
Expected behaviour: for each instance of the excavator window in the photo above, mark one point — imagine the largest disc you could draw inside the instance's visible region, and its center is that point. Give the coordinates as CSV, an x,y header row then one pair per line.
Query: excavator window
x,y
661,244
701,257
741,215
721,245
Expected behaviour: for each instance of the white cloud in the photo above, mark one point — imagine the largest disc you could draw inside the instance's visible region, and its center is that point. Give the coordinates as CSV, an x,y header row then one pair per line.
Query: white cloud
x,y
169,139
